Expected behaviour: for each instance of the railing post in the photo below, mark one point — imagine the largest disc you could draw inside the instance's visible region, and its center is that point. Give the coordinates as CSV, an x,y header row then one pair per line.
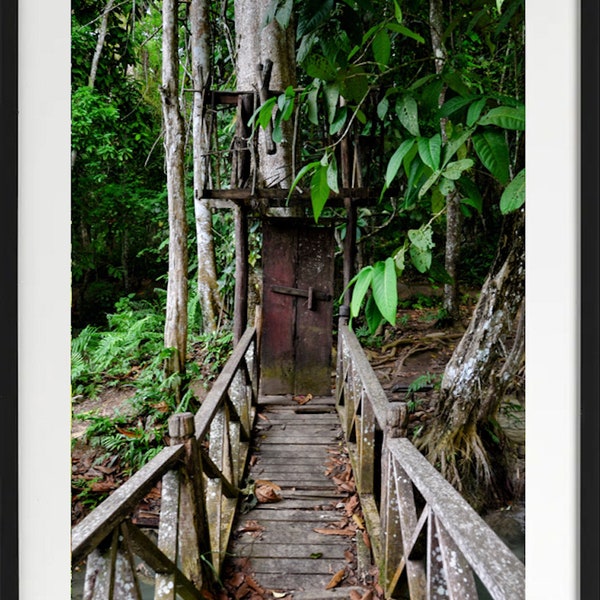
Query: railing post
x,y
339,374
182,505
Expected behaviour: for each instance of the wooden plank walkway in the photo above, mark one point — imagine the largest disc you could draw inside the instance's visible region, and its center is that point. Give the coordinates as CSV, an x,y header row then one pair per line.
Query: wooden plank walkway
x,y
294,444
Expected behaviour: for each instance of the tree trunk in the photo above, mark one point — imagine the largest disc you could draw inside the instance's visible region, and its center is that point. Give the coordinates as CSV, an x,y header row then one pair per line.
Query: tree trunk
x,y
177,288
453,214
100,43
208,290
257,44
464,439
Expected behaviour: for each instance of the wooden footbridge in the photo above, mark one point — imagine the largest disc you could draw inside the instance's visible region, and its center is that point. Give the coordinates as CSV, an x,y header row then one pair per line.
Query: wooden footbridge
x,y
416,537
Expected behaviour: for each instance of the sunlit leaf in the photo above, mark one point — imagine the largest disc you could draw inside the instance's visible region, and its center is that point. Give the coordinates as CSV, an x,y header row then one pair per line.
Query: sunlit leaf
x,y
363,282
408,113
454,169
385,290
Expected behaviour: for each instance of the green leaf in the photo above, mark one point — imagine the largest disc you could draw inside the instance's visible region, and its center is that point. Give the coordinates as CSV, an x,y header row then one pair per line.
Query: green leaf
x,y
492,150
474,111
354,84
406,32
506,117
312,14
303,171
263,113
454,144
284,13
429,182
408,113
513,196
397,11
382,48
471,194
319,191
499,4
382,108
446,187
430,150
332,175
399,259
373,316
341,114
385,289
420,249
454,169
396,161
451,106
457,83
311,100
319,67
363,281
332,95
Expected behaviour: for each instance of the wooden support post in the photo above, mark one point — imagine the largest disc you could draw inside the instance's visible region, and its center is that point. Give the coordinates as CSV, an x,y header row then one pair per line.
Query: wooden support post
x,y
350,239
240,317
264,76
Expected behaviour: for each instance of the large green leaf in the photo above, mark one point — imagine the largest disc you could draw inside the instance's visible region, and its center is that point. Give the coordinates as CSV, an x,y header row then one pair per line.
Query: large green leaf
x,y
385,289
319,67
332,95
430,150
405,31
492,150
474,111
408,113
451,106
373,316
312,14
514,195
363,282
382,48
507,117
396,161
332,175
319,190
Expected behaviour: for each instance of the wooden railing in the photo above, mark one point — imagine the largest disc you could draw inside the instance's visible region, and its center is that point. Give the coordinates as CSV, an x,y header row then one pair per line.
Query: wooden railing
x,y
425,539
201,472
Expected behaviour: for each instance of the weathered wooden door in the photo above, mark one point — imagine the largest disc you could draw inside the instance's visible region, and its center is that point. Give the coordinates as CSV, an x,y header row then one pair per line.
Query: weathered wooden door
x,y
297,308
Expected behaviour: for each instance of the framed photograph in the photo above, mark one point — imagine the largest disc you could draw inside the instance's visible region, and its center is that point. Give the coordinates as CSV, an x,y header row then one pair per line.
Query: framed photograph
x,y
562,283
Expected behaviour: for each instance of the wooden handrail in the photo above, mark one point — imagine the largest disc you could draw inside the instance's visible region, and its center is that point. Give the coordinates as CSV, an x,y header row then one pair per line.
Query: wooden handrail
x,y
200,474
425,538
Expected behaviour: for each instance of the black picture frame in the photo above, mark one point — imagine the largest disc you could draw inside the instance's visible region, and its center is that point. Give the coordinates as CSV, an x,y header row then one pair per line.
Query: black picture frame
x,y
9,537
589,555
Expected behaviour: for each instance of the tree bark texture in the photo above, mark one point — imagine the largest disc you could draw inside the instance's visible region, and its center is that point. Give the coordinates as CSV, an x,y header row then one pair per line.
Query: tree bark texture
x,y
256,44
453,214
177,288
464,438
208,290
100,43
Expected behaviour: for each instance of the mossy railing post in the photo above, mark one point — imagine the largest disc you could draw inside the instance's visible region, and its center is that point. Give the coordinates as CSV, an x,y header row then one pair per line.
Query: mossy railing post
x,y
426,541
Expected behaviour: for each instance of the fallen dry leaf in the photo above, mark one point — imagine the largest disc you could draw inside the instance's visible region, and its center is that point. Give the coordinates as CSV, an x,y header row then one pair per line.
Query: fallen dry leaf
x,y
267,491
360,523
354,595
303,399
336,580
368,595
